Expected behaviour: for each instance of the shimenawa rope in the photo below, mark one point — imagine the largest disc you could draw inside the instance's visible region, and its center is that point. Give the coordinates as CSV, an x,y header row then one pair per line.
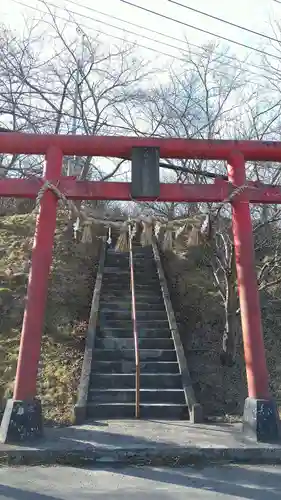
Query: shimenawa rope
x,y
149,224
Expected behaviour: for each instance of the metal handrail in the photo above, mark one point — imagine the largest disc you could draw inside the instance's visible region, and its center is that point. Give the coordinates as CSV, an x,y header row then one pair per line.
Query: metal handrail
x,y
135,330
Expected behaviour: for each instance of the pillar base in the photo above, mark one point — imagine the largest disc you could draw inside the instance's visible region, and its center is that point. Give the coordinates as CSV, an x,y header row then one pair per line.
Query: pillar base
x,y
22,421
196,415
261,420
79,414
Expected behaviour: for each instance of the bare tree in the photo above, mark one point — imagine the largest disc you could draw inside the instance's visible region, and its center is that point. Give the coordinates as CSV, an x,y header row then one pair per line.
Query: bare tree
x,y
219,256
200,99
81,86
65,82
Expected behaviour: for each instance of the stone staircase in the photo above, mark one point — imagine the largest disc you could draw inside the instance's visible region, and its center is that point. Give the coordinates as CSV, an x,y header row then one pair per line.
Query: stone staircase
x,y
112,380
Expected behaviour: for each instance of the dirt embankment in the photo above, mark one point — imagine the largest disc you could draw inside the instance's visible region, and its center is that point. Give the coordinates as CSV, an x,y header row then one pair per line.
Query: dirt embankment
x,y
70,291
200,316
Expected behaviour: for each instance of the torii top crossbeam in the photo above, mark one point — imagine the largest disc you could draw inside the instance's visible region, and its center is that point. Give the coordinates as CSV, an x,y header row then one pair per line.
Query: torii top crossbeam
x,y
120,147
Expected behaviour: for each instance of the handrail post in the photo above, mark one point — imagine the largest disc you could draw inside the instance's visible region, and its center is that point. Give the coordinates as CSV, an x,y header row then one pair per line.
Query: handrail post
x,y
135,330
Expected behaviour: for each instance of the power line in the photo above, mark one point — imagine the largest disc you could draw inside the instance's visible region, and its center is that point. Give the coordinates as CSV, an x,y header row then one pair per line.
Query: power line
x,y
122,39
144,36
152,31
124,29
224,20
157,51
93,29
97,31
163,16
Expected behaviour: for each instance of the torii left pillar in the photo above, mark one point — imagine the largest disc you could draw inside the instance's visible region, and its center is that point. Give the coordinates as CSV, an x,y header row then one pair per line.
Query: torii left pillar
x,y
22,419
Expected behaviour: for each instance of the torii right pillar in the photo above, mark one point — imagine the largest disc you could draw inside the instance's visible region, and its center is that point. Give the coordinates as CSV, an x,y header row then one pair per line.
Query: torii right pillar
x,y
260,419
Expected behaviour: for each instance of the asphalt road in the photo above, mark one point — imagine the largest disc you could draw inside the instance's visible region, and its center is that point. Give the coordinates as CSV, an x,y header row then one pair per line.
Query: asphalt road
x,y
61,483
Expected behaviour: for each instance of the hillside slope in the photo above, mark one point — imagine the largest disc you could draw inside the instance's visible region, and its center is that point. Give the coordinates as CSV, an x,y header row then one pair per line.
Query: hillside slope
x,y
69,299
200,317
221,390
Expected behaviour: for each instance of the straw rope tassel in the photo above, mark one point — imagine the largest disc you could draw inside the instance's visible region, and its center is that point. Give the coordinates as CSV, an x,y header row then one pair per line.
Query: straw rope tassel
x,y
87,233
122,244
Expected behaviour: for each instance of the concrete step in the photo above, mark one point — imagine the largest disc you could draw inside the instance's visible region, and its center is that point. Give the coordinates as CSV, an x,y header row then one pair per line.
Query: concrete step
x,y
127,411
126,314
112,261
119,323
112,383
124,280
146,269
120,288
140,261
137,254
128,343
125,381
129,354
108,296
125,263
140,276
137,261
139,272
122,293
124,305
112,267
158,333
130,367
143,267
128,396
127,325
125,271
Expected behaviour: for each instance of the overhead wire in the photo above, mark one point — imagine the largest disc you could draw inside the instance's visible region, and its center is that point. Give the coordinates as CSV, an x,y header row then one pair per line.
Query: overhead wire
x,y
225,21
150,30
141,27
44,12
135,34
125,30
97,30
169,18
173,167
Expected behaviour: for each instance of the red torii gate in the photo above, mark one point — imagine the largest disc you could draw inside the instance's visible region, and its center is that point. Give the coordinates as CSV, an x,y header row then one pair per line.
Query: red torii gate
x,y
22,418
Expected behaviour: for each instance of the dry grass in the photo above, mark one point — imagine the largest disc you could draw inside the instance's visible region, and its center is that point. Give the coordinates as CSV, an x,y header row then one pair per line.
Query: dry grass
x,y
200,317
70,291
196,303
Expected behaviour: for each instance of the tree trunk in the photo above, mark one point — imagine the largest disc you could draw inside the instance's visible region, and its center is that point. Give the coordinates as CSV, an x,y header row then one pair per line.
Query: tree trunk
x,y
231,331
